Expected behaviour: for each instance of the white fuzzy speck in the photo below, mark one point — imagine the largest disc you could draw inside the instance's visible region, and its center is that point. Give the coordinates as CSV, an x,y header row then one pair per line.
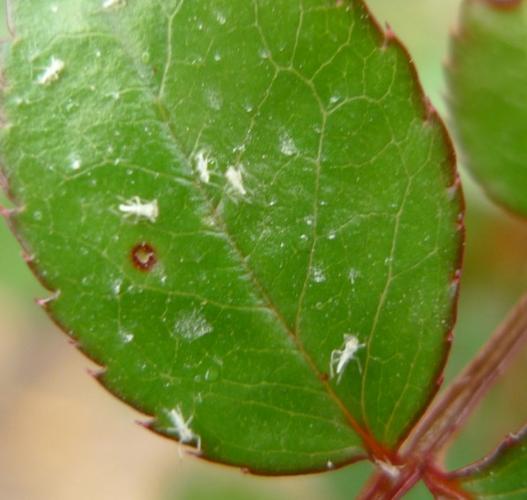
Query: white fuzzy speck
x,y
54,8
220,17
264,53
126,337
181,428
318,275
214,99
192,326
52,72
334,99
287,145
202,166
113,4
217,56
75,162
353,275
116,286
235,179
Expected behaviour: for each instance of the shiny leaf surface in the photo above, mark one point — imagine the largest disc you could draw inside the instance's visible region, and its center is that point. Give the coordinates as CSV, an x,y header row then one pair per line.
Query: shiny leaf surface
x,y
249,214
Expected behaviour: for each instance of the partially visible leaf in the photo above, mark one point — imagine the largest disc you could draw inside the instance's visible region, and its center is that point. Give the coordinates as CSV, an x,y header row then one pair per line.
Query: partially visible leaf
x,y
501,475
222,191
488,96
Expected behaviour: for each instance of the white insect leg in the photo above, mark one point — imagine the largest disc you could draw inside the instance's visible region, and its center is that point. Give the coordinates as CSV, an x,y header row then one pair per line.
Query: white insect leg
x,y
334,361
359,364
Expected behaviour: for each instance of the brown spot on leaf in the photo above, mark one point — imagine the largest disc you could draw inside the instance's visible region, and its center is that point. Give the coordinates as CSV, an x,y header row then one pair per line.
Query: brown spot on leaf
x,y
143,256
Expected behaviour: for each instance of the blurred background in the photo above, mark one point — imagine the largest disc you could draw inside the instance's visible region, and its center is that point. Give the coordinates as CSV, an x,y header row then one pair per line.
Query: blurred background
x,y
62,437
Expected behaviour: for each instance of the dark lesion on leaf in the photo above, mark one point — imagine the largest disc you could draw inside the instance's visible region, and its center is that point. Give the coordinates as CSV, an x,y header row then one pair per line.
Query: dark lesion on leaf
x,y
143,256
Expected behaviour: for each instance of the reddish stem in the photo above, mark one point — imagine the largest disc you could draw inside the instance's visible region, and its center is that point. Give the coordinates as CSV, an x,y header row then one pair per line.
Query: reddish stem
x,y
448,413
444,487
456,404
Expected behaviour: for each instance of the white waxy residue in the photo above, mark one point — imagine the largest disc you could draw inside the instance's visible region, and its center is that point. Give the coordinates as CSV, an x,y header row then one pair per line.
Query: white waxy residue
x,y
235,179
220,17
264,53
116,286
334,99
353,275
214,99
192,326
75,162
52,71
318,275
126,337
181,428
140,209
287,145
202,166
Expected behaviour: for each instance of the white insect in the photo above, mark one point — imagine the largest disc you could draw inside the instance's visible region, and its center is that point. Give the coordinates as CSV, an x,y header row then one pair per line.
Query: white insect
x,y
234,176
138,208
340,358
181,428
52,72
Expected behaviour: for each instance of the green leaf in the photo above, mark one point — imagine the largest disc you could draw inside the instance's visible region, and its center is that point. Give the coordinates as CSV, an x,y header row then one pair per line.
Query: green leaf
x,y
221,191
501,475
488,96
